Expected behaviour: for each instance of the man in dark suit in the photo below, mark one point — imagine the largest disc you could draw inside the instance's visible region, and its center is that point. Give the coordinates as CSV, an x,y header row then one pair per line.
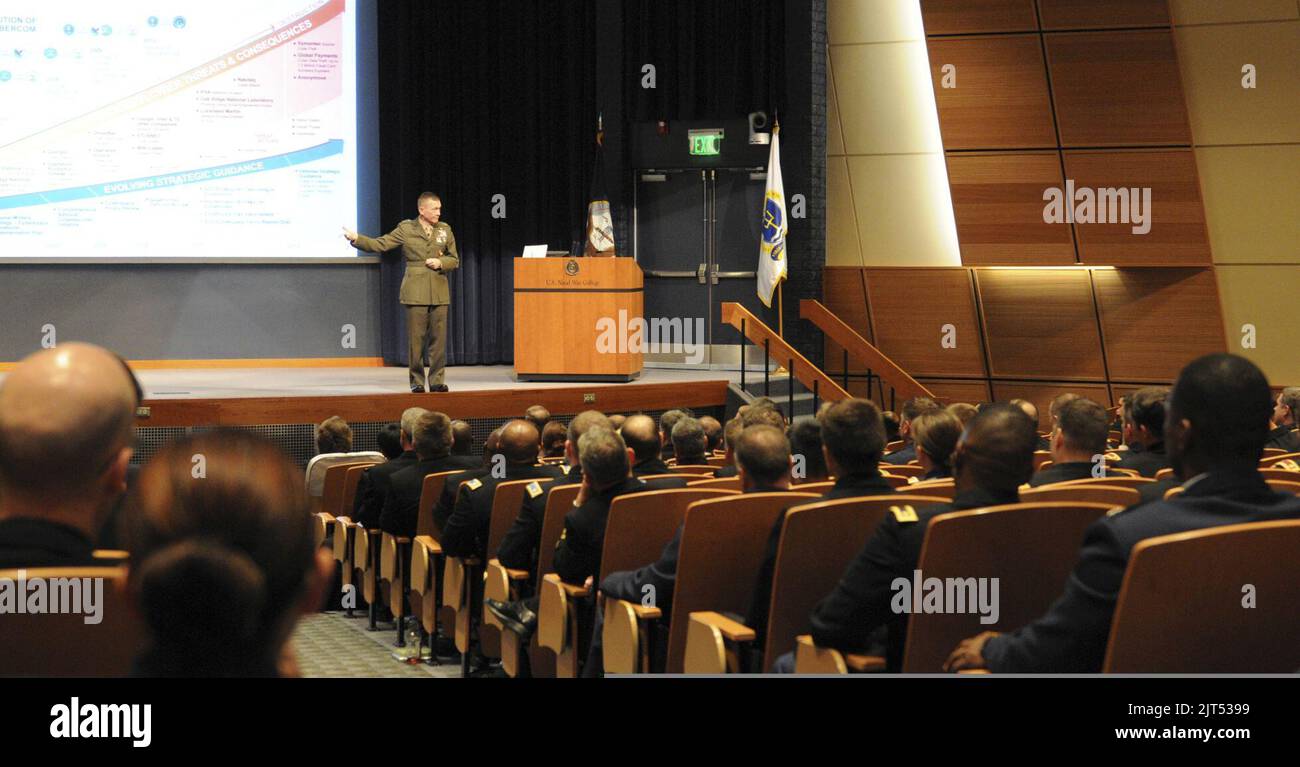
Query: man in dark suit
x,y
432,442
1215,427
462,438
1285,434
712,432
911,409
518,549
1078,443
372,489
465,529
606,474
667,421
1144,431
730,433
642,437
1031,410
66,419
994,457
763,455
762,412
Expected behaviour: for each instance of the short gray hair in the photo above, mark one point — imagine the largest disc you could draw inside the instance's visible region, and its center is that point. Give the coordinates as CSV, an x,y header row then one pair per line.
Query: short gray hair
x,y
603,456
409,417
688,437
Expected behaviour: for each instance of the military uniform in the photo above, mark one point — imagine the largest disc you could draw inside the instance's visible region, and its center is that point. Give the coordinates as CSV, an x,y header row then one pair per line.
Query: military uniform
x,y
424,292
465,532
400,512
1071,637
518,549
1062,472
1144,460
1284,438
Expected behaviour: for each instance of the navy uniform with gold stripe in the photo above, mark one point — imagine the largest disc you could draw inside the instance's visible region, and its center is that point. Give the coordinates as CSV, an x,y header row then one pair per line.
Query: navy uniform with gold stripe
x,y
518,549
465,532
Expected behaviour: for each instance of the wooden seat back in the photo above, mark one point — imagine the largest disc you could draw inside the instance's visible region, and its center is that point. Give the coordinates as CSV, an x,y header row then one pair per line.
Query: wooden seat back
x,y
641,524
1181,610
430,492
506,504
1112,495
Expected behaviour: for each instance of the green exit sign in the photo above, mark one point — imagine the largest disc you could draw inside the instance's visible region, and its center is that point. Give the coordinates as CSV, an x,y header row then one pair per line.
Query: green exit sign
x,y
706,143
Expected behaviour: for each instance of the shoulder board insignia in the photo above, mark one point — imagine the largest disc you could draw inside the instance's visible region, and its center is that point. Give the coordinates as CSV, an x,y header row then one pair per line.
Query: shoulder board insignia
x,y
534,489
912,480
1112,456
566,468
1116,510
1289,464
563,534
903,513
474,484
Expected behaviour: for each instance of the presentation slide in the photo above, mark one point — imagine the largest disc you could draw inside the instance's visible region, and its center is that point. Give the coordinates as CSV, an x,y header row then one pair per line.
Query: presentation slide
x,y
177,129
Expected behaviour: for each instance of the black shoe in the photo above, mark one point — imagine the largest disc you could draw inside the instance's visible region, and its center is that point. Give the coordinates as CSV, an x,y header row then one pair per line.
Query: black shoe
x,y
515,616
417,390
439,388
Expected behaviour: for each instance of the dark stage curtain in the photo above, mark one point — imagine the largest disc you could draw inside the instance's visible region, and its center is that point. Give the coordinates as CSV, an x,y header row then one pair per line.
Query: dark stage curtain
x,y
477,99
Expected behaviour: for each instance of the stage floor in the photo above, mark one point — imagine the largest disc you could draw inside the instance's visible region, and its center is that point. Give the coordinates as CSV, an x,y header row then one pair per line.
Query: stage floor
x,y
227,383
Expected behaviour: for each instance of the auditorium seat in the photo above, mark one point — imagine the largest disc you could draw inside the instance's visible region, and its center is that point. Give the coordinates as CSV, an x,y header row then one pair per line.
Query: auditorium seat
x,y
1285,486
1112,495
722,483
942,488
896,480
1286,475
1111,480
638,527
1041,457
724,541
814,487
1153,630
542,660
1165,473
818,541
1279,459
811,659
506,505
693,468
1029,547
904,469
365,565
63,644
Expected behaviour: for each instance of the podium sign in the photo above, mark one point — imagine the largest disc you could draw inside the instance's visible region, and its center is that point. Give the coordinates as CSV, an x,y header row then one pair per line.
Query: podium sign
x,y
569,313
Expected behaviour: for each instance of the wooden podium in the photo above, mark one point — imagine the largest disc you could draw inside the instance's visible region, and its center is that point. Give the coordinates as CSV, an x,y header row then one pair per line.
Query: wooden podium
x,y
572,316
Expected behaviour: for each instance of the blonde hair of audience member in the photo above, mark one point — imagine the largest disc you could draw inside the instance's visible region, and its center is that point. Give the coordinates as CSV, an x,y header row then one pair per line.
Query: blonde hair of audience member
x,y
223,561
333,435
66,419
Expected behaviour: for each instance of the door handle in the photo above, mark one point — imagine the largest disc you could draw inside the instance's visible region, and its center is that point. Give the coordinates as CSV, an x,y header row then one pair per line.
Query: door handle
x,y
700,273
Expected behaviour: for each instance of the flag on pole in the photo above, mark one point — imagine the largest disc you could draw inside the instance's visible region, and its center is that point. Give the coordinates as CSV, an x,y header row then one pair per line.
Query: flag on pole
x,y
600,224
771,256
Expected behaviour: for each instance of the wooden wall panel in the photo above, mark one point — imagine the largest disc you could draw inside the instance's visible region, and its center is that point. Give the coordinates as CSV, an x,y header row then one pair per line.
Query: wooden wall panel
x,y
1091,14
1040,323
949,17
948,391
909,308
1042,395
1117,89
844,294
1000,100
1157,320
997,201
1177,236
1223,112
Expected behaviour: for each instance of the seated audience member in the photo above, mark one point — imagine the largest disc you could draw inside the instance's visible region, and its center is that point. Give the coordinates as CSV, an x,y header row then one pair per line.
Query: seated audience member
x,y
1031,410
518,549
1143,416
372,489
712,432
465,529
763,455
462,438
964,412
730,433
666,423
66,417
993,458
606,474
1058,402
1078,442
451,487
538,416
853,438
690,444
935,435
806,449
641,436
911,409
1285,435
890,419
553,436
222,568
759,413
616,421
389,441
333,447
431,442
1216,423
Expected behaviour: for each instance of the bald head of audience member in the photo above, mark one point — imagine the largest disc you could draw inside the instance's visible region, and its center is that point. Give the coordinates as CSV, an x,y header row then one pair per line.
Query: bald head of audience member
x,y
538,416
641,435
606,460
996,451
616,421
1030,408
66,417
712,432
462,438
853,437
763,458
492,445
432,435
519,442
581,424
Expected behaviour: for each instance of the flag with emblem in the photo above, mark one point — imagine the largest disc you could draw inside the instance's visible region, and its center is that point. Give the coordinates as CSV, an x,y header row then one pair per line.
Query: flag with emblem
x,y
600,224
771,255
